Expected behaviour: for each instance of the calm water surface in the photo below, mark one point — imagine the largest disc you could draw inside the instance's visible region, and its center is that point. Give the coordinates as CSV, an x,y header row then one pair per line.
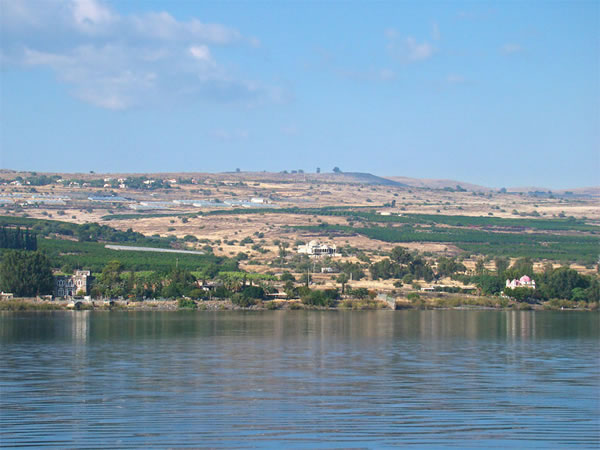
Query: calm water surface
x,y
300,379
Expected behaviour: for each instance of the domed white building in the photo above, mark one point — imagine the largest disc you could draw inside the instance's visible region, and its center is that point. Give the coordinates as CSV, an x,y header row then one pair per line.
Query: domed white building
x,y
315,248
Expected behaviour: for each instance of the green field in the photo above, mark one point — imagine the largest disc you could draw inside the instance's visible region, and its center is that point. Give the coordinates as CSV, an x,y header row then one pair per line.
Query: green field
x,y
82,246
93,255
566,248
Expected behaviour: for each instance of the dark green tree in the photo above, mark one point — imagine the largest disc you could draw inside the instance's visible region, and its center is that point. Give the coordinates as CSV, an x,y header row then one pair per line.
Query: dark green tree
x,y
342,279
110,283
26,274
501,265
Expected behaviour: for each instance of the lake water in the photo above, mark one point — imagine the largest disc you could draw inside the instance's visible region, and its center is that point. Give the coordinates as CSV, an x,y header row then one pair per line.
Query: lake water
x,y
286,379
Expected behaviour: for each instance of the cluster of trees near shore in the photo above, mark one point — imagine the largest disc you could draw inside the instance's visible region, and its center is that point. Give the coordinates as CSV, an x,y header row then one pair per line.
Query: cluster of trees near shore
x,y
560,283
27,272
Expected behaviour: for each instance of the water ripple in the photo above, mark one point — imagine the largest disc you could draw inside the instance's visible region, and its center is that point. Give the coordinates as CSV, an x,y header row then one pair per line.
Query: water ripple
x,y
312,379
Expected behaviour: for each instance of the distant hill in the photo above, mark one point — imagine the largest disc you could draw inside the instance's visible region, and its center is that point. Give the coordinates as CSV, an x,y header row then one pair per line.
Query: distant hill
x,y
329,177
590,191
439,184
360,177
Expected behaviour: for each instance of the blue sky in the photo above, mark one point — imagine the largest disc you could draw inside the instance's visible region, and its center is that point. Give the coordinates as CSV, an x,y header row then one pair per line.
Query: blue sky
x,y
500,94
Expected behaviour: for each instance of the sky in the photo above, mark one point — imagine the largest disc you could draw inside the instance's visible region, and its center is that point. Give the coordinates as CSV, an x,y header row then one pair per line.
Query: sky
x,y
501,94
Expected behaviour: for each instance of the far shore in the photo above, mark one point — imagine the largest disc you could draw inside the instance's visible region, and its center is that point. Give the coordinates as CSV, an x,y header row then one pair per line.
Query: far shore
x,y
449,302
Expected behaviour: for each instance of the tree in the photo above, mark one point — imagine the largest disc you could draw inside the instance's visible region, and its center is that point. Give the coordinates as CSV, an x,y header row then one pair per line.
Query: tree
x,y
522,266
501,265
562,282
286,276
26,274
480,266
489,284
318,170
448,266
320,298
336,170
520,294
110,284
179,282
342,279
401,255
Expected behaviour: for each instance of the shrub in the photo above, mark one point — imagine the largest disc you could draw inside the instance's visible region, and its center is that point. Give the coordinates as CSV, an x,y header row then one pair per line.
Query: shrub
x,y
413,296
240,300
186,303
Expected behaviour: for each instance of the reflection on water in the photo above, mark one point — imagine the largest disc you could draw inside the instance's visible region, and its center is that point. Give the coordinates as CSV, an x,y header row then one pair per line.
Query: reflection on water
x,y
299,379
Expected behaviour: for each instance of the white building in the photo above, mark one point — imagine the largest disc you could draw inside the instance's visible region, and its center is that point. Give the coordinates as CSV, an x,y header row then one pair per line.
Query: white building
x,y
524,281
315,248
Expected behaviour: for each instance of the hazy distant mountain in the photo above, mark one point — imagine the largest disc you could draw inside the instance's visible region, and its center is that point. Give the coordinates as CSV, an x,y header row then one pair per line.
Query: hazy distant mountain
x,y
329,177
360,177
439,184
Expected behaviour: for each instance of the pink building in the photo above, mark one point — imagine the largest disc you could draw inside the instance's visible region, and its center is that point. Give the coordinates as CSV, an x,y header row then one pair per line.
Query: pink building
x,y
524,281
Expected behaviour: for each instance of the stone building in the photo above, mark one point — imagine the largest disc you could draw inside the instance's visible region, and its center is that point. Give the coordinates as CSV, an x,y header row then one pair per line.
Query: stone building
x,y
70,285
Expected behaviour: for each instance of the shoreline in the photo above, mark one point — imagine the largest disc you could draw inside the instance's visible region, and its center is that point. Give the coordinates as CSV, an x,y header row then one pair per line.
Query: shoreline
x,y
454,303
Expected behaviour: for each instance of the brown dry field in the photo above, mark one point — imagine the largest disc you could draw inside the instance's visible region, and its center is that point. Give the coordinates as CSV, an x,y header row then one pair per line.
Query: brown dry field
x,y
297,190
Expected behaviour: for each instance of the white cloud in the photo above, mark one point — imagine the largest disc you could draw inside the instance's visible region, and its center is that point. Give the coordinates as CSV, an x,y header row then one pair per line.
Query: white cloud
x,y
435,31
89,14
511,48
408,49
201,53
415,51
121,61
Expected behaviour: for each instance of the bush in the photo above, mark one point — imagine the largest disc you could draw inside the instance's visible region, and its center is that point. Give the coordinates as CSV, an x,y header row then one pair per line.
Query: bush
x,y
198,294
359,293
407,279
186,303
320,298
413,296
253,292
240,300
286,276
271,305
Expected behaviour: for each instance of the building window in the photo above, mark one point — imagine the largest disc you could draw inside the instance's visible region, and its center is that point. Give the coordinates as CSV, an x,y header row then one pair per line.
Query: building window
x,y
60,292
79,283
61,282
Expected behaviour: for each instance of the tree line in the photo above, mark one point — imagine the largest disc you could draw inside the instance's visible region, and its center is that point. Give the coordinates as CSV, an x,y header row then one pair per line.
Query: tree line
x,y
18,239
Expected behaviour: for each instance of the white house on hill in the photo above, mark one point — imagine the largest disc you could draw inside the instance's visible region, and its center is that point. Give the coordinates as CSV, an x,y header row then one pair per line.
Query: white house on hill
x,y
315,248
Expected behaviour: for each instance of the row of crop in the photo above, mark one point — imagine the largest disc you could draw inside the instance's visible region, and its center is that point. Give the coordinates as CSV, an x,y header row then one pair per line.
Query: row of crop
x,y
538,246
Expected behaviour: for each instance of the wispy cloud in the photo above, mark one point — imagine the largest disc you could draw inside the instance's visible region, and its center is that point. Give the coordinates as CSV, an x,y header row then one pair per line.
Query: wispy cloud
x,y
119,61
511,48
408,49
435,31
